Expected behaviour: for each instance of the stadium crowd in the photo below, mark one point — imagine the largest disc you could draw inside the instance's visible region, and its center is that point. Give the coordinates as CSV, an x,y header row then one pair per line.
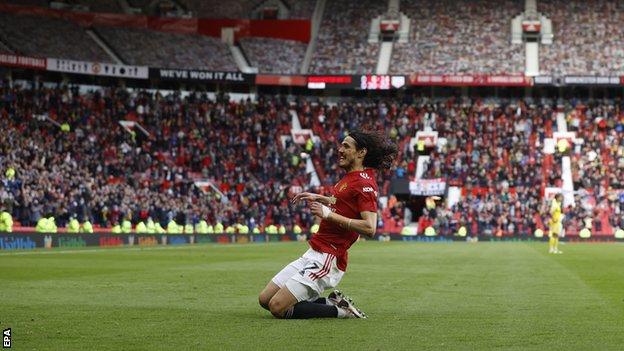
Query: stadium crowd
x,y
588,38
98,171
342,44
274,55
598,167
465,37
504,172
168,50
92,168
48,37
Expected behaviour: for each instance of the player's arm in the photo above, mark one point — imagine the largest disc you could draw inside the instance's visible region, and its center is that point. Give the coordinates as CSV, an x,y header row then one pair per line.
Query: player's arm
x,y
305,196
365,226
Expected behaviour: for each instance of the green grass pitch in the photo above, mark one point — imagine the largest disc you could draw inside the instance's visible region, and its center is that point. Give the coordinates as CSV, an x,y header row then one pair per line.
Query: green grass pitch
x,y
448,296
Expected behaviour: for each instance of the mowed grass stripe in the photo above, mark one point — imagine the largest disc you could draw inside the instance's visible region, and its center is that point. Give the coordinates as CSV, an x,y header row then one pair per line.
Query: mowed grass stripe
x,y
419,296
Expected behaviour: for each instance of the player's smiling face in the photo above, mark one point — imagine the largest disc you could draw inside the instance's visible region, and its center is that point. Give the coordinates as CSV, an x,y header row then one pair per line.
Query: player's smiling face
x,y
348,154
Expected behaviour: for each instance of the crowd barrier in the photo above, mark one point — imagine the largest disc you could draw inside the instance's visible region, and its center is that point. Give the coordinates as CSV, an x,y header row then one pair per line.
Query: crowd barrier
x,y
27,241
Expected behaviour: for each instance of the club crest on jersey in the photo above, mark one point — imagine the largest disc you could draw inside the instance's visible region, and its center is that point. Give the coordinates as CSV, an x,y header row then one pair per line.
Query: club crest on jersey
x,y
364,175
342,187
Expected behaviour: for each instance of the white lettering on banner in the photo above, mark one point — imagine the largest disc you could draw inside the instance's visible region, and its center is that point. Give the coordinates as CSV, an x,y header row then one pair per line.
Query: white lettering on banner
x,y
201,75
97,68
427,187
173,73
592,80
22,61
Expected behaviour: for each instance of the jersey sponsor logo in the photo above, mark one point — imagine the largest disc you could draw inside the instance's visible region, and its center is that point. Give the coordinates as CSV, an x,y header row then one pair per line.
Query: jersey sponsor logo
x,y
364,175
368,189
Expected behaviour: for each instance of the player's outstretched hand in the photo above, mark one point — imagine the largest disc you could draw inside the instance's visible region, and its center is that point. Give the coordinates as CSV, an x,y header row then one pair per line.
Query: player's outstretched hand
x,y
305,196
315,208
319,210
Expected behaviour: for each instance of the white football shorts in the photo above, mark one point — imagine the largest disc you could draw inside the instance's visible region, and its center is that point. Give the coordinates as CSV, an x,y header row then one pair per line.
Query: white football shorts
x,y
310,275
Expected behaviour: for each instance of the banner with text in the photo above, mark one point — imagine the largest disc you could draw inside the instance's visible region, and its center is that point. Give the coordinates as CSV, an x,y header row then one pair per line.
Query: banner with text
x,y
427,187
470,80
22,61
196,75
591,80
97,68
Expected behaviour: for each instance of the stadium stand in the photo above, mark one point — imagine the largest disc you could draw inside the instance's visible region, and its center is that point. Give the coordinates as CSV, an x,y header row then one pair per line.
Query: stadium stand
x,y
452,37
500,170
342,45
588,38
598,169
48,37
99,171
168,50
274,55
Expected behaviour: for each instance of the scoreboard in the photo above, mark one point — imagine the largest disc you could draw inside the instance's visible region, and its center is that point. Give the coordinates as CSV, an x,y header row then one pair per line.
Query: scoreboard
x,y
381,82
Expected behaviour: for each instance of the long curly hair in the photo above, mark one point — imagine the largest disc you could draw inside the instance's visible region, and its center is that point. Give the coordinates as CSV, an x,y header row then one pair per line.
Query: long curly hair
x,y
380,152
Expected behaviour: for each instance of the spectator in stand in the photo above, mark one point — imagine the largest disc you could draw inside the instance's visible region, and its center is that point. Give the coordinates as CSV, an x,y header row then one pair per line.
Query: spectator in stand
x,y
342,46
459,37
41,36
588,38
274,55
168,50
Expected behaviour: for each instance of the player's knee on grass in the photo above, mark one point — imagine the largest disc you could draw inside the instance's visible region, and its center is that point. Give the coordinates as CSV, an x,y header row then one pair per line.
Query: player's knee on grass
x,y
278,307
267,294
281,302
264,299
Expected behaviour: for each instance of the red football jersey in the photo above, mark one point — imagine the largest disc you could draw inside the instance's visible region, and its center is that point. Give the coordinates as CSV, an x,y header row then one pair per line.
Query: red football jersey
x,y
356,192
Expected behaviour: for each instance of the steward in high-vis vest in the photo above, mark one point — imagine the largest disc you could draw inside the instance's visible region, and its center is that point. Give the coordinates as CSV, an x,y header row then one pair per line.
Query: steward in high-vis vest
x,y
243,229
462,231
297,229
160,229
202,227
87,227
172,227
51,228
6,222
188,228
73,226
141,228
314,228
116,229
150,227
585,233
126,226
218,228
42,225
430,231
